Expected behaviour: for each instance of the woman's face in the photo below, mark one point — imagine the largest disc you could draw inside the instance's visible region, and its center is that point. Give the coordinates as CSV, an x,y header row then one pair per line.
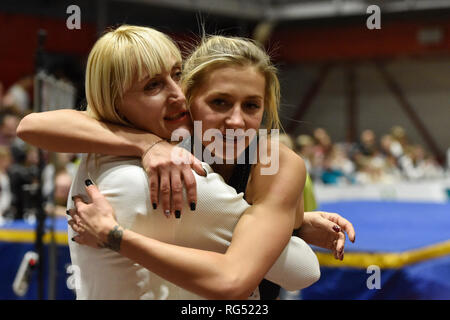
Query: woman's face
x,y
157,104
230,98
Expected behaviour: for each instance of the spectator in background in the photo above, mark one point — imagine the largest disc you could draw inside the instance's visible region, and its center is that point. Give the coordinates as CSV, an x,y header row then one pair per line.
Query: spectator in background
x,y
23,174
57,163
415,164
400,141
62,182
323,142
5,189
9,120
305,148
338,168
286,139
18,94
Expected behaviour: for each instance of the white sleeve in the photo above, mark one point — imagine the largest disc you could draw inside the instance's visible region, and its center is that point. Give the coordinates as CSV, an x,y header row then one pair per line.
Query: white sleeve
x,y
296,268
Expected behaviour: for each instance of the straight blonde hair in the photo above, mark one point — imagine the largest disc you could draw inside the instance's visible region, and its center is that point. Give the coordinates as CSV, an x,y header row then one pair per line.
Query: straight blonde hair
x,y
118,59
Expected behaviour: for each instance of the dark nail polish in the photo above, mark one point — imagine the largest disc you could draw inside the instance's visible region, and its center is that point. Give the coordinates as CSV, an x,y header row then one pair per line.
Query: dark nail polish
x,y
192,206
67,212
73,239
177,214
88,182
336,228
154,206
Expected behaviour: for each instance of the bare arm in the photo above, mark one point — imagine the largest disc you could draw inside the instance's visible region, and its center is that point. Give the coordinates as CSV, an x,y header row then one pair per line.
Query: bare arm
x,y
76,132
258,239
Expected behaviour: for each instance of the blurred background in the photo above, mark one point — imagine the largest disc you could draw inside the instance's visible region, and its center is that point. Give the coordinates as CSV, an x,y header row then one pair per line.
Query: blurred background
x,y
366,105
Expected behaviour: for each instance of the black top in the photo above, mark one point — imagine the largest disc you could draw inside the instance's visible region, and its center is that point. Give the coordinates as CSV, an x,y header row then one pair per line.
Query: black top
x,y
239,179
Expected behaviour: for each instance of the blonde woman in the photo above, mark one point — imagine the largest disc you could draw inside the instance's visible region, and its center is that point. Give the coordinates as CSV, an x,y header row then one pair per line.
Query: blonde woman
x,y
208,274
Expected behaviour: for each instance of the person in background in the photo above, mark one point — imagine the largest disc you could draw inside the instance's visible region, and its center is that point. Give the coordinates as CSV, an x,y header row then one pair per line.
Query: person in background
x,y
5,189
18,94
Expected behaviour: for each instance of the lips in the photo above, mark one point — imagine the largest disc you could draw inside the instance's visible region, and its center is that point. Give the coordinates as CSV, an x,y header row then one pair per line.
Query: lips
x,y
176,116
232,138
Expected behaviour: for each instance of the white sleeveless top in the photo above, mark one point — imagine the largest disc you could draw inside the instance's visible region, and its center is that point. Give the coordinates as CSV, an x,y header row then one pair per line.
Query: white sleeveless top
x,y
105,274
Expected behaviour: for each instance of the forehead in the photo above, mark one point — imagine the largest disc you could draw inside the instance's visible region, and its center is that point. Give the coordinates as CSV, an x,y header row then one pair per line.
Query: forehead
x,y
241,80
148,73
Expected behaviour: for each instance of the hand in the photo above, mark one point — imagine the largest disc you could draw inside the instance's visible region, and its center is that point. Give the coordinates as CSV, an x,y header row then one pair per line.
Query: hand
x,y
168,167
83,237
96,218
326,230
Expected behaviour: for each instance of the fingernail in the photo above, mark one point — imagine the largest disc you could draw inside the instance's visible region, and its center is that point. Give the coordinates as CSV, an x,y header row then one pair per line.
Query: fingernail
x,y
73,239
177,214
192,206
206,172
154,206
167,213
336,228
67,212
88,182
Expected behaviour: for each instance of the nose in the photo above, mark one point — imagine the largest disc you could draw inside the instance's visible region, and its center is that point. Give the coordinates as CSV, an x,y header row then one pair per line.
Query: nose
x,y
176,95
235,119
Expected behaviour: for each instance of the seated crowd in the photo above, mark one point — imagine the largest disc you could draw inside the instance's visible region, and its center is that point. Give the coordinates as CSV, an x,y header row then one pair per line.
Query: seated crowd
x,y
387,160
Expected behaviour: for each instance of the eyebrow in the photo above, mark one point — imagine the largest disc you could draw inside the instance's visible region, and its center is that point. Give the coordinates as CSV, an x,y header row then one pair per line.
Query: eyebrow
x,y
229,95
147,77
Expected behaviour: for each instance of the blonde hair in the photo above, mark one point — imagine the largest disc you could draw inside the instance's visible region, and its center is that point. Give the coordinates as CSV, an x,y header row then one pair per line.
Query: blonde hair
x,y
216,52
119,58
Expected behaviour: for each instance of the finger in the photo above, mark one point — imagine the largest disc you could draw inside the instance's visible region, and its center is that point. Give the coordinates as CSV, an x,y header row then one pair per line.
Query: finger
x,y
334,250
79,239
340,244
197,166
76,239
164,192
154,187
78,202
191,188
177,192
73,225
325,224
92,190
346,225
76,227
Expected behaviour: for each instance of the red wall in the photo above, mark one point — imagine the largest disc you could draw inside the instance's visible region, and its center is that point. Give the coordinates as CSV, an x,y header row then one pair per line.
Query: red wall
x,y
357,42
18,42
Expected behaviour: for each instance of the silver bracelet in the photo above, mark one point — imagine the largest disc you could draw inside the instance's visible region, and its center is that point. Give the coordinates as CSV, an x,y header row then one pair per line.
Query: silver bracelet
x,y
151,146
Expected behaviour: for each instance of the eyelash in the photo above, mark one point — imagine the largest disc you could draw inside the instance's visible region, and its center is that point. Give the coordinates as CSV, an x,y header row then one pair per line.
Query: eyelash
x,y
176,77
223,102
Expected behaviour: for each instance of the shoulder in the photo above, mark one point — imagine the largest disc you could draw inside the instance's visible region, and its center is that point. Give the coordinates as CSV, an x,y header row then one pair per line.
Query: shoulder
x,y
286,179
115,174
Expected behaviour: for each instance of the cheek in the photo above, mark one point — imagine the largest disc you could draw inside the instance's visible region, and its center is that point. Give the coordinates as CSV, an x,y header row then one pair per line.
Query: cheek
x,y
254,121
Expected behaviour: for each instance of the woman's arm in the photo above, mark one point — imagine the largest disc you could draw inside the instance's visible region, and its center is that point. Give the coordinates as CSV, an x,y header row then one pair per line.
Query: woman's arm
x,y
76,132
258,239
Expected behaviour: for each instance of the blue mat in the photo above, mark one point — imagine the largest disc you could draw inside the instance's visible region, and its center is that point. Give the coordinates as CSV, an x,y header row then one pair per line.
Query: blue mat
x,y
389,227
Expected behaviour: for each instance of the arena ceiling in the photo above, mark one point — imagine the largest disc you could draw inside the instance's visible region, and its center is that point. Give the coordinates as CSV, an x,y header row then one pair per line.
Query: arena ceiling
x,y
281,10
